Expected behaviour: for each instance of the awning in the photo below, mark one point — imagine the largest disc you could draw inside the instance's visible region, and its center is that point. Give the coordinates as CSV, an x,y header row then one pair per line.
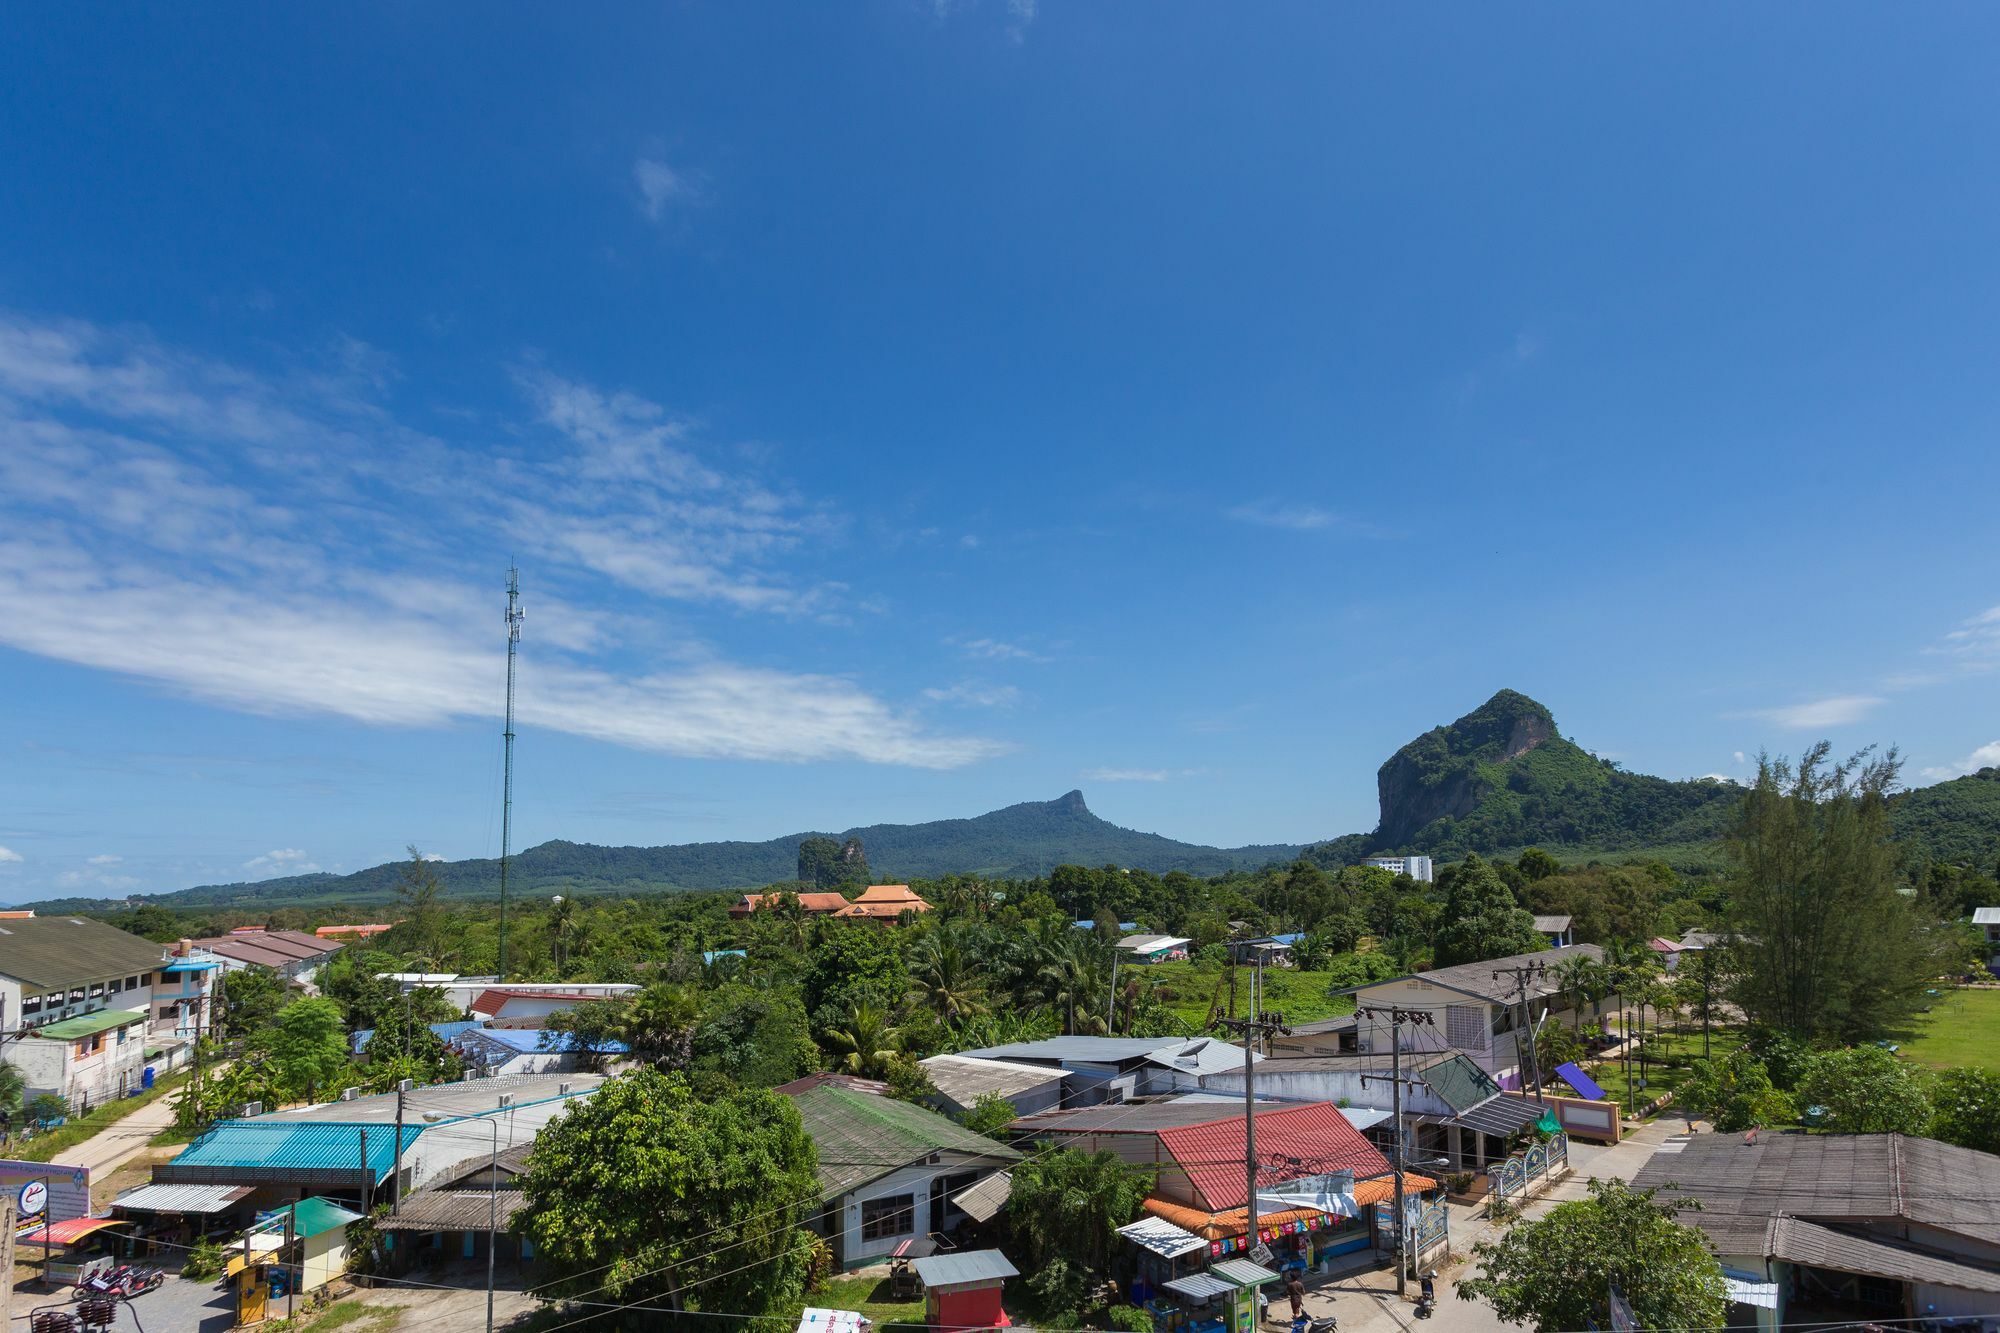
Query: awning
x,y
1199,1287
1332,1194
1764,1294
1162,1237
1242,1273
1498,1116
182,1198
71,1231
987,1197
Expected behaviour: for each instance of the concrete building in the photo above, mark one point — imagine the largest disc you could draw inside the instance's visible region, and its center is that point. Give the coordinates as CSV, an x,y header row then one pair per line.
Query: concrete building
x,y
1557,928
1418,868
1842,1229
58,967
87,1060
1988,921
888,1170
1118,1069
1482,1009
524,1006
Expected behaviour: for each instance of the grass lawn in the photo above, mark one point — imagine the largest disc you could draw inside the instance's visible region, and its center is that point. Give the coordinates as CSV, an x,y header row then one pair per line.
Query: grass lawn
x,y
858,1293
44,1147
1669,1058
1189,989
1963,1028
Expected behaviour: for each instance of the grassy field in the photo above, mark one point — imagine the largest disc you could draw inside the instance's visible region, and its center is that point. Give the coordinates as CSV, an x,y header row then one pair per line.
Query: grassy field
x,y
1189,989
1962,1029
1669,1057
44,1147
858,1293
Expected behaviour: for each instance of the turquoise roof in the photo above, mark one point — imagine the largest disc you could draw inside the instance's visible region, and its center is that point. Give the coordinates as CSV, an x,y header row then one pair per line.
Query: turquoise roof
x,y
278,1148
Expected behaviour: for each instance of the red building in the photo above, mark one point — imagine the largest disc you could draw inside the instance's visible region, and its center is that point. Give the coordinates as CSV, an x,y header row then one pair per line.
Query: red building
x,y
962,1291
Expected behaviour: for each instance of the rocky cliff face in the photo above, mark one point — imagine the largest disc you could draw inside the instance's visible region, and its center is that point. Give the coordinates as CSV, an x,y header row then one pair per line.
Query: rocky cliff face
x,y
1437,775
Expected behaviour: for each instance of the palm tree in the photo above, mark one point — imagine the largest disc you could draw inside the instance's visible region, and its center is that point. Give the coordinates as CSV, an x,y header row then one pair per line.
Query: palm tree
x,y
868,1042
659,1026
944,973
1582,979
1075,975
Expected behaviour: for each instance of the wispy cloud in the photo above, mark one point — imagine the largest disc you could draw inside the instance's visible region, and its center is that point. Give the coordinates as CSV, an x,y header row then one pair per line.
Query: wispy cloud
x,y
998,650
1279,514
283,861
8,856
662,187
107,859
1020,15
1986,756
975,694
1125,774
1837,711
152,523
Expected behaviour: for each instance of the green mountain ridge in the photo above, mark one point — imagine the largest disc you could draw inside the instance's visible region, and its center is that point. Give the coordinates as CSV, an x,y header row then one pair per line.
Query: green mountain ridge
x,y
1499,779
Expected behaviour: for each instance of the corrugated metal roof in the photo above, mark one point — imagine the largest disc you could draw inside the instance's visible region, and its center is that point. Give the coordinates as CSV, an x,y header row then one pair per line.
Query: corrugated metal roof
x,y
1199,1287
982,1201
1986,916
444,1031
308,1217
70,1230
1477,978
50,951
946,1271
453,1210
1145,1117
1291,1141
1203,1055
1461,1083
1081,1050
1162,1237
1552,925
88,1025
183,1198
863,1137
261,1149
1242,1272
1801,1242
965,1080
1499,1116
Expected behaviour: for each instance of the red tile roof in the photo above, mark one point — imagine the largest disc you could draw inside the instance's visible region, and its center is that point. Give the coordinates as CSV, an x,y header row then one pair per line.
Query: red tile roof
x,y
811,902
1297,1141
493,998
884,901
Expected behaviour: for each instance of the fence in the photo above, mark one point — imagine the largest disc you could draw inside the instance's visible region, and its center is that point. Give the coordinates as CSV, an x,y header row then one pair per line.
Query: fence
x,y
1517,1179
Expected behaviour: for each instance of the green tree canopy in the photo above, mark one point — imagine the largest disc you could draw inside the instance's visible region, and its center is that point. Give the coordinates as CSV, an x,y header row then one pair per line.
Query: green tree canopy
x,y
1864,1090
1063,1208
252,999
1966,1102
1824,945
699,1203
309,1047
1556,1273
1481,918
1735,1092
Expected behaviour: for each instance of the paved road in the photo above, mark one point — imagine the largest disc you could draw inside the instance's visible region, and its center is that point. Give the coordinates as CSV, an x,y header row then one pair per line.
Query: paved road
x,y
1367,1302
119,1143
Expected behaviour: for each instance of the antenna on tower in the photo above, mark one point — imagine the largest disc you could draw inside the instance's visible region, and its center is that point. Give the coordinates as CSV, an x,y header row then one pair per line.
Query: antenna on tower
x,y
514,615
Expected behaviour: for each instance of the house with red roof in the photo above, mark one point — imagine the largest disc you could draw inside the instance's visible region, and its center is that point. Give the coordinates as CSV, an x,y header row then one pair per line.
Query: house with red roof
x,y
813,904
524,1007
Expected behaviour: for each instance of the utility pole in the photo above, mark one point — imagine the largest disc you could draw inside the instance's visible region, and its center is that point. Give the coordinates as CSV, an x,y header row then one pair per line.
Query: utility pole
x,y
514,616
1521,976
1398,1017
1707,1001
1251,1027
403,1085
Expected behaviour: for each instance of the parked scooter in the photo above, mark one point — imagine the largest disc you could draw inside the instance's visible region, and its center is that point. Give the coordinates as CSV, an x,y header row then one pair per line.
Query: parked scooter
x,y
1427,1300
1307,1324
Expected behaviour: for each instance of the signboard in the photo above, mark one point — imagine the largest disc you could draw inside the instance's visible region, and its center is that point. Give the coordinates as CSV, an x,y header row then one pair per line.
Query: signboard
x,y
34,1197
65,1190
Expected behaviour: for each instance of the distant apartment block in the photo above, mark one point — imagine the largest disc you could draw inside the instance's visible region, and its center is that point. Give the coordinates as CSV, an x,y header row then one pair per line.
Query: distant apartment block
x,y
1416,867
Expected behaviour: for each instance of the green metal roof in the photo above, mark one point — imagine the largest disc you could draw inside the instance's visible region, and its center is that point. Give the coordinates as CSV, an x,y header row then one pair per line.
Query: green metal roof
x,y
862,1136
1461,1083
309,1217
89,1025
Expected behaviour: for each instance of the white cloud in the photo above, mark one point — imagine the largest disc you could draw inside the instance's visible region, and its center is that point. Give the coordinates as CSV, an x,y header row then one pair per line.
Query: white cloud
x,y
283,861
78,879
1020,14
1276,514
1986,756
997,650
1740,757
1836,711
150,525
107,859
661,187
1124,775
975,694
8,856
433,856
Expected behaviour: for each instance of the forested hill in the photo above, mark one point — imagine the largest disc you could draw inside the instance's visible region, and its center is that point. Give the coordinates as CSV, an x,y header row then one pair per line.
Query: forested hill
x,y
1020,841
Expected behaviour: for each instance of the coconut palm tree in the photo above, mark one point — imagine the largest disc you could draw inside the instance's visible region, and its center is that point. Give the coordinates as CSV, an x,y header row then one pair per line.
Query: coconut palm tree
x,y
868,1042
947,976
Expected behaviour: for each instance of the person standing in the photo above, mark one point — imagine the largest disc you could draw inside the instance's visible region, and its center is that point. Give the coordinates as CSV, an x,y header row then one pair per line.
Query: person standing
x,y
1295,1291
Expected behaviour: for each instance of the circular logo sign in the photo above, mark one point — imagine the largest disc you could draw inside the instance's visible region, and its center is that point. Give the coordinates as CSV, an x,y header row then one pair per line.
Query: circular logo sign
x,y
34,1197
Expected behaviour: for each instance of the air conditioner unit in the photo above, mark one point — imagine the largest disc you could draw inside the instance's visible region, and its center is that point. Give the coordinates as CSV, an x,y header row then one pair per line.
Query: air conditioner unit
x,y
349,1094
252,1108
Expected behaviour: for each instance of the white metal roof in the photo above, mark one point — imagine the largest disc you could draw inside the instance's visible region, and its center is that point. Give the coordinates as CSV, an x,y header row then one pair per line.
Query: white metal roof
x,y
1162,1237
181,1198
1986,916
1151,943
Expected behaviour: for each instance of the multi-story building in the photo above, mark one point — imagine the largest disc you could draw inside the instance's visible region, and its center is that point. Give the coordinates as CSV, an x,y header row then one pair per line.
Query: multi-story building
x,y
1416,867
59,967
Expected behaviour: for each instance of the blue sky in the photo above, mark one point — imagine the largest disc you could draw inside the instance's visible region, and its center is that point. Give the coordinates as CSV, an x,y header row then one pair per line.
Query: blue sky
x,y
901,410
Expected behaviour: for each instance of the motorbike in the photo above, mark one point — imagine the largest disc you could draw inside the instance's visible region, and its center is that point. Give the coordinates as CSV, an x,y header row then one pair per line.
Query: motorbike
x,y
1307,1324
1427,1297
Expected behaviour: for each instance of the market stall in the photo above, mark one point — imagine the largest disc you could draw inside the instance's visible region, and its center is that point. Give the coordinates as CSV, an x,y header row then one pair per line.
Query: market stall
x,y
73,1249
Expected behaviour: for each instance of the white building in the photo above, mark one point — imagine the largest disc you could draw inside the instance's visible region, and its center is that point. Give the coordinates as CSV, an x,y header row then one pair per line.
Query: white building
x,y
1416,867
87,1060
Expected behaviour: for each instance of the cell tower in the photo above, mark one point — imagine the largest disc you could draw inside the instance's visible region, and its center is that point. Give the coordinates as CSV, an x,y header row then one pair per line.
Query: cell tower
x,y
514,616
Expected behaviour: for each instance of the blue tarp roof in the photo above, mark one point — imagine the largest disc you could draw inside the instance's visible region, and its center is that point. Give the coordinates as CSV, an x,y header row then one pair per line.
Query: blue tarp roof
x,y
710,955
189,965
1122,925
445,1032
1585,1086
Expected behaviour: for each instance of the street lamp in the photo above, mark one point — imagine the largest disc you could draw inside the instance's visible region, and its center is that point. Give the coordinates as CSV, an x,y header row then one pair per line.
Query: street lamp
x,y
492,1192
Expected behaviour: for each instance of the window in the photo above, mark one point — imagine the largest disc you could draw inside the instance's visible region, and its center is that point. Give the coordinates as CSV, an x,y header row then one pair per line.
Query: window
x,y
1465,1027
895,1215
145,978
76,996
31,1004
115,986
132,983
122,1034
97,990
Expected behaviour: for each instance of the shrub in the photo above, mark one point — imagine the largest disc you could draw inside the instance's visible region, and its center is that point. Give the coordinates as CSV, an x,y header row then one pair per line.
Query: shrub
x,y
204,1261
1130,1318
